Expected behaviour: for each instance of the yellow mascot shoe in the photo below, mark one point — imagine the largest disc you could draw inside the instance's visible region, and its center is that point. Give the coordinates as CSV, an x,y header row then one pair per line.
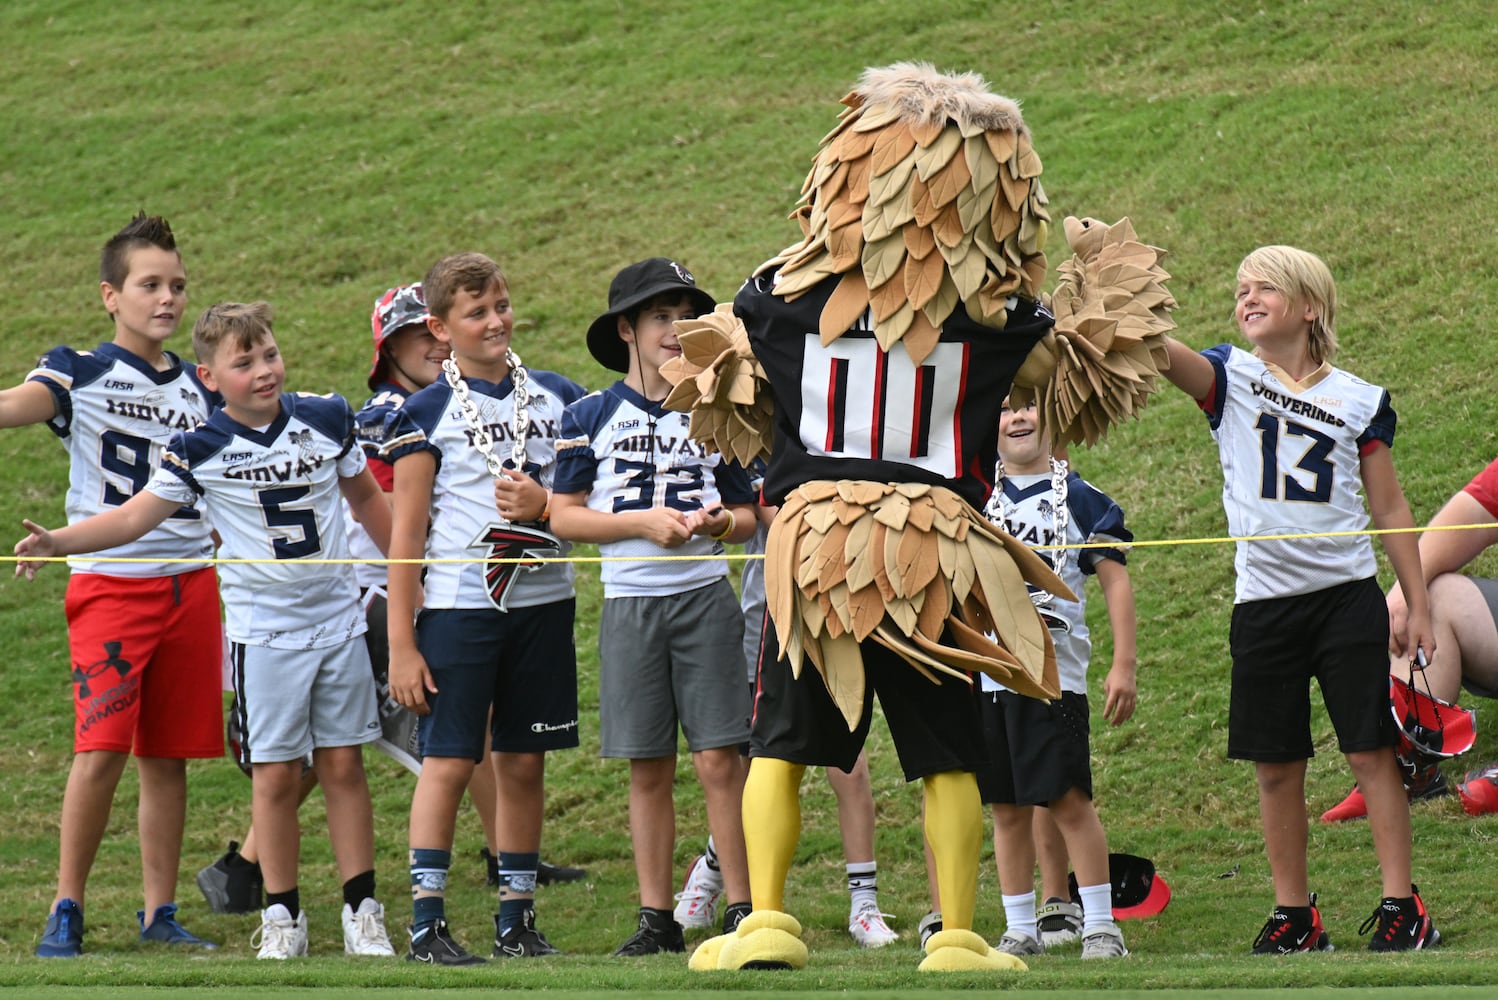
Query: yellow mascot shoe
x,y
964,951
705,956
765,939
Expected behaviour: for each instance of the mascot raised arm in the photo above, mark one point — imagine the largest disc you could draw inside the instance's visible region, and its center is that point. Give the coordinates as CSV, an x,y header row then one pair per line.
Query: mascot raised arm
x,y
868,363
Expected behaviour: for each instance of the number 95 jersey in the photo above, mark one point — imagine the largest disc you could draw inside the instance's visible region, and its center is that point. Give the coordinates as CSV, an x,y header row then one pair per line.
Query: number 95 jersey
x,y
115,413
273,495
1291,464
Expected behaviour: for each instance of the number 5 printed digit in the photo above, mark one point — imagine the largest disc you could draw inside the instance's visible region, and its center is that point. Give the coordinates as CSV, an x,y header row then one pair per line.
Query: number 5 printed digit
x,y
293,529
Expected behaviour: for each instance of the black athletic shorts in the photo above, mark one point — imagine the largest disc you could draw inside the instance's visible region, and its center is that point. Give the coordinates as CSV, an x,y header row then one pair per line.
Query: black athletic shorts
x,y
1340,636
1037,751
934,727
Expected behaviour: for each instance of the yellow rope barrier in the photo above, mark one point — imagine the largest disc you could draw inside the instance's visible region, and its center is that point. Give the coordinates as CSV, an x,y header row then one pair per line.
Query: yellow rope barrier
x,y
744,557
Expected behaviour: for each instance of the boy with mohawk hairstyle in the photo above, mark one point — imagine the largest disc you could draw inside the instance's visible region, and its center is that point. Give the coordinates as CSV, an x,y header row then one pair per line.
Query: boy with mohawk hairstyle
x,y
144,636
270,467
889,337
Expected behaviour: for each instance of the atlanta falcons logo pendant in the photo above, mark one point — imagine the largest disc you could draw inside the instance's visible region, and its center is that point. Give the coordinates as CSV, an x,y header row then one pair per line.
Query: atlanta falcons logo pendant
x,y
507,542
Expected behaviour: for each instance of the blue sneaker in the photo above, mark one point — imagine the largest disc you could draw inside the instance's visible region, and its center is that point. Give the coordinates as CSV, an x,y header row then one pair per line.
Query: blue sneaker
x,y
63,937
164,929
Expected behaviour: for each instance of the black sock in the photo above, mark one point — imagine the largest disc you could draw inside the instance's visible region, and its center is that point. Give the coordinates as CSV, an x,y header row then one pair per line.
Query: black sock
x,y
291,899
1300,915
659,920
359,888
734,913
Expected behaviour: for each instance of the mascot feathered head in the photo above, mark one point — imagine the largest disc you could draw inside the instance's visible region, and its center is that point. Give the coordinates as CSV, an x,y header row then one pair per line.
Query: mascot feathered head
x,y
925,196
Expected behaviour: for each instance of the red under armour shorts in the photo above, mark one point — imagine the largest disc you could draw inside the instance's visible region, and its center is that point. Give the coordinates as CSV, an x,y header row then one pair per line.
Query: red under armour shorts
x,y
147,664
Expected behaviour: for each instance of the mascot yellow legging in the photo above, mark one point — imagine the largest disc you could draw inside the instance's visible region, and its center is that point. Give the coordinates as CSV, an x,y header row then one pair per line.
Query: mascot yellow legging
x,y
769,938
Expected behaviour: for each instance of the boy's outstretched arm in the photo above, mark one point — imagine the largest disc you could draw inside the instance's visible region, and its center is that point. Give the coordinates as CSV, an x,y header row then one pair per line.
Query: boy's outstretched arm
x,y
122,524
27,403
1446,551
573,519
1388,508
1188,371
1121,688
410,677
370,506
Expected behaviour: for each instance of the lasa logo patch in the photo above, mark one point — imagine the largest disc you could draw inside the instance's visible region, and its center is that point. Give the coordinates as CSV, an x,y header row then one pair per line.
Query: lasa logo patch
x,y
528,546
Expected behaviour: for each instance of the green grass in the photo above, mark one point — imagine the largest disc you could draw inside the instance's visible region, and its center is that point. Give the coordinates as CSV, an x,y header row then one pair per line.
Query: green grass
x,y
314,154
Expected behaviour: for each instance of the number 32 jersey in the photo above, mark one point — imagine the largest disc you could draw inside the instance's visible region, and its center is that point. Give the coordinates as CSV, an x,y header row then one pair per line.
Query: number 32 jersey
x,y
114,414
273,494
1291,463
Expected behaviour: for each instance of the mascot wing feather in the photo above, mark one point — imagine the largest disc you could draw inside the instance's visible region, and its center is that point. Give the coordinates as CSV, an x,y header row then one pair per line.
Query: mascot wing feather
x,y
719,381
917,561
926,196
1103,359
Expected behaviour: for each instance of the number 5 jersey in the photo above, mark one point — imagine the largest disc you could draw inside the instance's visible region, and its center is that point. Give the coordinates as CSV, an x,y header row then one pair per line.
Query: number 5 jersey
x,y
273,495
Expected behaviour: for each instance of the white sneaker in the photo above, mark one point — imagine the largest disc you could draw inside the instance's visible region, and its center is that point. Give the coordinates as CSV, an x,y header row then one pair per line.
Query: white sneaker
x,y
868,928
279,936
1104,942
1019,945
364,930
697,903
1059,922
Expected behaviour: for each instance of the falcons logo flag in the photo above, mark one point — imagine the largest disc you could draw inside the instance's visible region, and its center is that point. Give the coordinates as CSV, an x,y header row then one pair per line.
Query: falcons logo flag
x,y
509,541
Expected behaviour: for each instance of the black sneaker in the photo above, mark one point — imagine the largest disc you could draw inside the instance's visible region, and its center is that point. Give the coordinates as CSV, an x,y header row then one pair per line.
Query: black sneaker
x,y
550,874
522,940
1284,935
653,937
434,945
1401,925
231,884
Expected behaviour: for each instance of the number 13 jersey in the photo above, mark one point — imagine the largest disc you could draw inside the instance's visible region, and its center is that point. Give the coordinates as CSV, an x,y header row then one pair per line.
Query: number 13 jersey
x,y
1291,454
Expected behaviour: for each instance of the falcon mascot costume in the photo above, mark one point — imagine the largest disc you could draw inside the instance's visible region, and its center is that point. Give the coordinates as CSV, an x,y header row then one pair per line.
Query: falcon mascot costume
x,y
868,363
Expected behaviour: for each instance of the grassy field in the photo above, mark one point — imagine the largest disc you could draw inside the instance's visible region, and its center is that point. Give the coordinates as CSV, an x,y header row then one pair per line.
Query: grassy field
x,y
315,154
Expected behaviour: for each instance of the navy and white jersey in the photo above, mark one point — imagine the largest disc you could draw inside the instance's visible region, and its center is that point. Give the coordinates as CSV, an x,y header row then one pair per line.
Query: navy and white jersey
x,y
850,410
463,492
629,453
1291,455
115,413
369,430
1025,507
274,496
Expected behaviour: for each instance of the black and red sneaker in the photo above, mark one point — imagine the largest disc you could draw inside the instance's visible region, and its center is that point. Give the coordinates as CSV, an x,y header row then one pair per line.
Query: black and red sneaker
x,y
1401,925
1287,933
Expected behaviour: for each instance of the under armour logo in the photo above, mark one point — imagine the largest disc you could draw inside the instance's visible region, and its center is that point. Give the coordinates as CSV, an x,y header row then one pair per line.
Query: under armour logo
x,y
112,659
508,541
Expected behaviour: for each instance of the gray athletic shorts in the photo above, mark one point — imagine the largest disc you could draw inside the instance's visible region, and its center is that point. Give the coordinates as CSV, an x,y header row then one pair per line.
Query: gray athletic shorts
x,y
1489,591
672,660
295,700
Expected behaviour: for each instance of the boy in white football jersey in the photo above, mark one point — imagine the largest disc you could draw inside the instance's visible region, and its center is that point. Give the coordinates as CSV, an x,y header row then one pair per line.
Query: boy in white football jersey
x,y
1301,442
495,635
270,467
630,479
1038,752
144,636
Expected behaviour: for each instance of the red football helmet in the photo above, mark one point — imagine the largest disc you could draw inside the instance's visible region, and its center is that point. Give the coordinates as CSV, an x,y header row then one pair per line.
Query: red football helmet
x,y
1430,729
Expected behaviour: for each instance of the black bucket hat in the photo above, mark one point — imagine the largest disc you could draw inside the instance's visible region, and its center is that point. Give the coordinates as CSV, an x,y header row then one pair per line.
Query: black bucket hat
x,y
636,285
